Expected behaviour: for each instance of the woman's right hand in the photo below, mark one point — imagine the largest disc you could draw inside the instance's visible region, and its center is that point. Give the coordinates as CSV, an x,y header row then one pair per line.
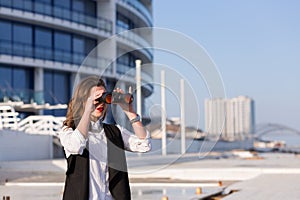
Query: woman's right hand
x,y
90,102
89,105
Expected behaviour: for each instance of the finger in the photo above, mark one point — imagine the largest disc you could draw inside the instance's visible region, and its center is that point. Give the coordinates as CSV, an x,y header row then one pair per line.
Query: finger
x,y
118,90
97,95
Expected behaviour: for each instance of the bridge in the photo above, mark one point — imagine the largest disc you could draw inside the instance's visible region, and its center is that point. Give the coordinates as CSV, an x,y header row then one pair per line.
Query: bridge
x,y
268,128
279,145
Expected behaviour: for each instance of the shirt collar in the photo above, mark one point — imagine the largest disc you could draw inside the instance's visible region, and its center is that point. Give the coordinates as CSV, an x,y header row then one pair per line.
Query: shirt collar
x,y
96,126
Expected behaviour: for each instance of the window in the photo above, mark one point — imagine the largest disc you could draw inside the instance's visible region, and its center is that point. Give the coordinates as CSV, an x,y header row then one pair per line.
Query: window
x,y
90,44
19,76
48,86
22,40
5,77
16,83
5,37
90,8
78,10
81,48
43,6
5,28
64,4
124,23
78,5
78,44
61,87
62,41
87,7
127,59
22,5
62,47
78,49
5,83
62,9
57,87
22,33
43,43
43,37
22,78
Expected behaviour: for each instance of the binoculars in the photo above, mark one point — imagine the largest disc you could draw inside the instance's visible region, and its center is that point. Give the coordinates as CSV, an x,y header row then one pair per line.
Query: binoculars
x,y
115,97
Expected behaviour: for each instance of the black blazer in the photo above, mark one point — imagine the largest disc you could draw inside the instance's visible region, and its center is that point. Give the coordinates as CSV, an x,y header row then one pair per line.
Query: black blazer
x,y
77,175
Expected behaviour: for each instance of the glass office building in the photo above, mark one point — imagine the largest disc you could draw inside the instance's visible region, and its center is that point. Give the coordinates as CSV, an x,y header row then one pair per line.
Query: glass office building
x,y
43,44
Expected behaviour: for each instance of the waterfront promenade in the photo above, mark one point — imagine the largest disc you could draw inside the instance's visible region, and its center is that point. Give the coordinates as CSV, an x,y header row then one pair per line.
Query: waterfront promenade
x,y
265,176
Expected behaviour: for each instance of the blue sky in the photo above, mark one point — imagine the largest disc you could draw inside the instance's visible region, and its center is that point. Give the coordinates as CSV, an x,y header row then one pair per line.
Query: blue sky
x,y
255,45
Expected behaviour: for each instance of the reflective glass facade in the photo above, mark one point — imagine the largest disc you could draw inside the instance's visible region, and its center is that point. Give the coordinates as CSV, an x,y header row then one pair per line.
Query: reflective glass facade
x,y
78,11
125,62
57,90
16,83
26,40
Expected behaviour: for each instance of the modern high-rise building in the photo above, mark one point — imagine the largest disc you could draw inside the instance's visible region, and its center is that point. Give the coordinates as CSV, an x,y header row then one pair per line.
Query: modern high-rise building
x,y
231,119
43,43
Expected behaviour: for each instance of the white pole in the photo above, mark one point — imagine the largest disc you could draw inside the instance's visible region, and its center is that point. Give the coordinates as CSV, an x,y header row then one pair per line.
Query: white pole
x,y
182,118
138,87
163,115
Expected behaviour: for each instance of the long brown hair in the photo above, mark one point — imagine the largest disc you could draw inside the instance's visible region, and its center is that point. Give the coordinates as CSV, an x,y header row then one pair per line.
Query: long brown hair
x,y
77,103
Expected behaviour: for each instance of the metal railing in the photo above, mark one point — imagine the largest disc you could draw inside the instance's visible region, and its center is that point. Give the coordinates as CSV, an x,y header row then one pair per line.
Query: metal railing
x,y
41,124
35,124
59,12
8,118
44,53
24,95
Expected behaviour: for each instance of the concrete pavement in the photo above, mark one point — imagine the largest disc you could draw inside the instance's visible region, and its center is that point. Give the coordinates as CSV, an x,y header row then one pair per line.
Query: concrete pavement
x,y
269,176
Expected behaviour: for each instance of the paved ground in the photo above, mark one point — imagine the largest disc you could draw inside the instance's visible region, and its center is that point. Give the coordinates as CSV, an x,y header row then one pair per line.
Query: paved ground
x,y
270,176
266,186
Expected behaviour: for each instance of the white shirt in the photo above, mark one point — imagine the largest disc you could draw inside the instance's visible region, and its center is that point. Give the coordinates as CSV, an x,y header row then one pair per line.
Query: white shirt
x,y
74,143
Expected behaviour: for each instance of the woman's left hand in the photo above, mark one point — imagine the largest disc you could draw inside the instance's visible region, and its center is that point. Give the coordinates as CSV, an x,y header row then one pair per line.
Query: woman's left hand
x,y
125,106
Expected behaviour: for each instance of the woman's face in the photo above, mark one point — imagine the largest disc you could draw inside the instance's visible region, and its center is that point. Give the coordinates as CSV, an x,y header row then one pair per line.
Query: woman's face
x,y
100,108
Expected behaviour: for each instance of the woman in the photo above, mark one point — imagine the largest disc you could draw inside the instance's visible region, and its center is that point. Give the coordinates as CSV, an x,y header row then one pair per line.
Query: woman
x,y
95,154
